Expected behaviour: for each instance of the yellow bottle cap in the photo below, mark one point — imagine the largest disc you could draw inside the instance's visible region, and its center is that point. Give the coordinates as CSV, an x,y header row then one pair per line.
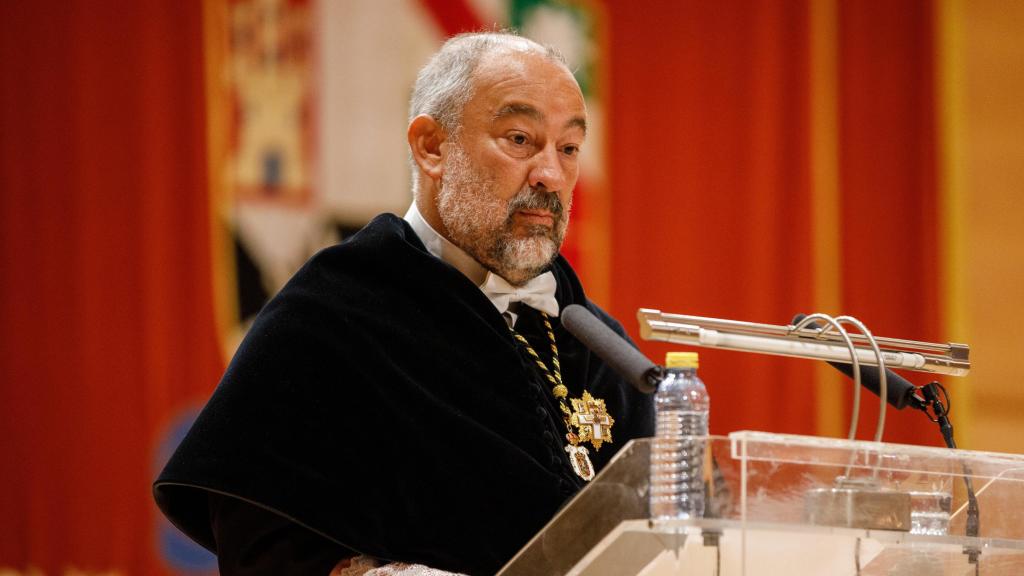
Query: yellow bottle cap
x,y
681,360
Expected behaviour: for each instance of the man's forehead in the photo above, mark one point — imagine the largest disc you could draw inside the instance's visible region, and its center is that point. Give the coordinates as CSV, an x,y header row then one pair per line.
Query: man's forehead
x,y
528,84
513,109
505,65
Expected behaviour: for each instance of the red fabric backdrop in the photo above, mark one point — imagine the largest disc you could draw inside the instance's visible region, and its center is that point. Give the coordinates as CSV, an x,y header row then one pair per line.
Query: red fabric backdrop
x,y
711,185
889,181
105,300
711,179
107,320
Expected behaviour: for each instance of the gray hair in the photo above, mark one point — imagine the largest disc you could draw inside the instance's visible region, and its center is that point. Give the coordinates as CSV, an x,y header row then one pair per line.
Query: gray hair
x,y
445,84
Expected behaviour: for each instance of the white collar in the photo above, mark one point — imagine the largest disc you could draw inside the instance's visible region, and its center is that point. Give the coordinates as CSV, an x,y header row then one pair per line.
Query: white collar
x,y
538,293
441,248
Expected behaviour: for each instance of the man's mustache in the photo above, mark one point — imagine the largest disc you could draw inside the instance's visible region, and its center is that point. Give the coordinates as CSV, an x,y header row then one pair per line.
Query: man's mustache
x,y
534,199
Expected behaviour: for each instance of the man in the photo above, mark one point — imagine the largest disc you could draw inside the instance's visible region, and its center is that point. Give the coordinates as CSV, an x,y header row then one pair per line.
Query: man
x,y
410,395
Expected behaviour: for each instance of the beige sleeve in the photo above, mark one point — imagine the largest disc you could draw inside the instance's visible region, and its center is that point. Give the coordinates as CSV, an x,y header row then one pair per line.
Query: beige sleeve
x,y
365,566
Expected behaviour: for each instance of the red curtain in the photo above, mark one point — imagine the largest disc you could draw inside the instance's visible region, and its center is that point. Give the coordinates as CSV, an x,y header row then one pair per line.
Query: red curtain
x,y
105,299
711,184
711,178
889,181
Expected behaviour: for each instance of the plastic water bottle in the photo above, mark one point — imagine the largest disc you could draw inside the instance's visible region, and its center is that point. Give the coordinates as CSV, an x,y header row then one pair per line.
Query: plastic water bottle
x,y
677,462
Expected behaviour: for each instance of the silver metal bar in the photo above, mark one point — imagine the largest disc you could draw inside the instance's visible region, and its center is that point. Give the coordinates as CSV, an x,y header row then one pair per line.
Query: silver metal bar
x,y
951,358
773,329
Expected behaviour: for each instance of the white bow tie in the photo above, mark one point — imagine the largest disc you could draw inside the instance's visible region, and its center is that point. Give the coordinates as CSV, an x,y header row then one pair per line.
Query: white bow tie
x,y
538,293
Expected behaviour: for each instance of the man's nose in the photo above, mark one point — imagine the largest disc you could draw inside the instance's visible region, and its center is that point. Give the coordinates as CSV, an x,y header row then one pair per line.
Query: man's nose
x,y
547,172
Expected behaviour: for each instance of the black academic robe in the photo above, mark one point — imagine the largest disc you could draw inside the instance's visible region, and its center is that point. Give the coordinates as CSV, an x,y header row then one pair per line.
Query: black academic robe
x,y
380,401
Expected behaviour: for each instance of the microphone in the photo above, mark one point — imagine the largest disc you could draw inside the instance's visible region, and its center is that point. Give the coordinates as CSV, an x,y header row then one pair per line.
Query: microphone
x,y
616,352
899,393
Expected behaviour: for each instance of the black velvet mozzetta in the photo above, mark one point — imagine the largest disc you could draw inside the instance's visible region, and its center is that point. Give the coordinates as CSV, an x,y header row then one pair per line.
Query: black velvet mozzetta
x,y
380,400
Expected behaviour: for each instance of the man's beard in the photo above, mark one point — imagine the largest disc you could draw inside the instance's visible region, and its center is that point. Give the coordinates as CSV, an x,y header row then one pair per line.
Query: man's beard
x,y
483,224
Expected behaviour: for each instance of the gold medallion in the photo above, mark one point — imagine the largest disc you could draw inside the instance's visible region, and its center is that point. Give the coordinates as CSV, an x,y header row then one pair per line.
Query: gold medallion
x,y
591,418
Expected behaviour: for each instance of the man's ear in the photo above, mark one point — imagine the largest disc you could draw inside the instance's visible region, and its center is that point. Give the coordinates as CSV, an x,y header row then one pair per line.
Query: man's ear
x,y
425,138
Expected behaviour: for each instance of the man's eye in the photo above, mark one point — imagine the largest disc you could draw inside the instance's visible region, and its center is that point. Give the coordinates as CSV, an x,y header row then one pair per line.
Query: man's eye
x,y
571,150
519,139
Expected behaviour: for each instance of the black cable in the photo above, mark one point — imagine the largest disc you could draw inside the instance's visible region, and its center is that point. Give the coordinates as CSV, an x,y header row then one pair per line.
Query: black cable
x,y
940,415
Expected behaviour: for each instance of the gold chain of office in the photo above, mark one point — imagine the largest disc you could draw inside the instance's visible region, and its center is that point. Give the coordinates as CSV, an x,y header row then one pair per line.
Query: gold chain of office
x,y
587,421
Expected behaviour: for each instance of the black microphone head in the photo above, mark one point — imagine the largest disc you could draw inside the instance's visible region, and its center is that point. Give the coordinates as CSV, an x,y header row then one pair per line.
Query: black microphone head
x,y
899,391
616,352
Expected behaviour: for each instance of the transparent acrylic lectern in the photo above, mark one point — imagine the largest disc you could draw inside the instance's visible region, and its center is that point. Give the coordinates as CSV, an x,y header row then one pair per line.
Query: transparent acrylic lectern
x,y
794,505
